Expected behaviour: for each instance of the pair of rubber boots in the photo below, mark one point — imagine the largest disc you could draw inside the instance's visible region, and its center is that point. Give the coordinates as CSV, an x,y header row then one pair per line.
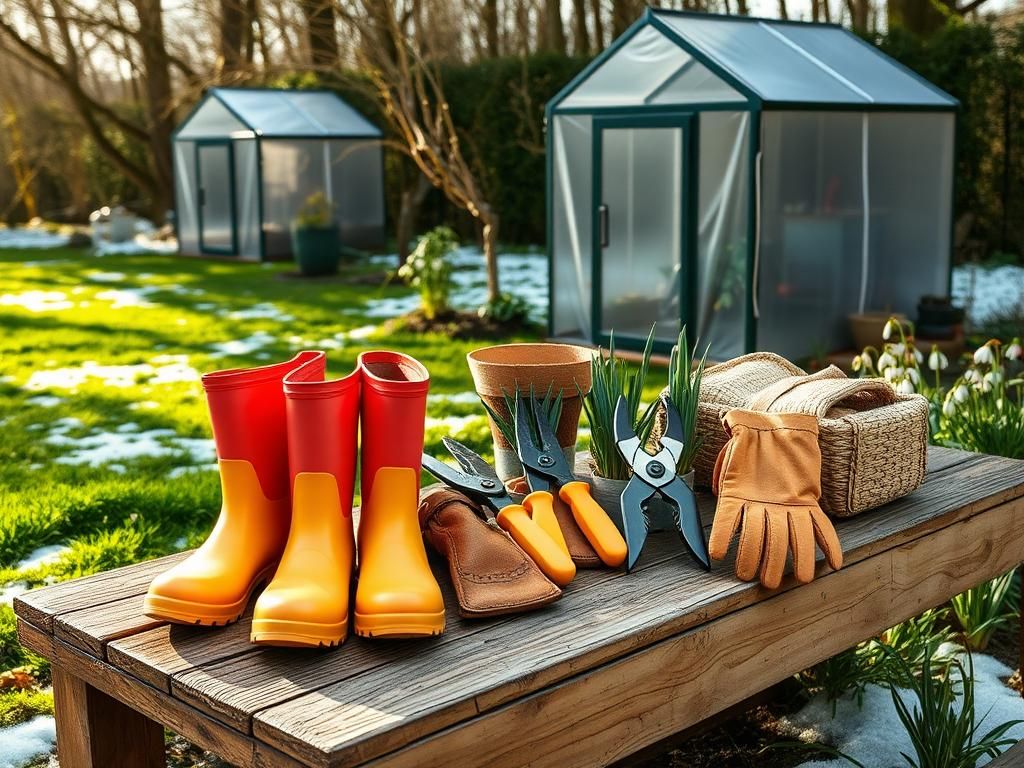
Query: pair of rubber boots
x,y
286,444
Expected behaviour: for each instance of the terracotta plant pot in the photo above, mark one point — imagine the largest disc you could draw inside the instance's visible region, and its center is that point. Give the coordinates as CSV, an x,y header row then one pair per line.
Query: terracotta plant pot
x,y
866,327
508,368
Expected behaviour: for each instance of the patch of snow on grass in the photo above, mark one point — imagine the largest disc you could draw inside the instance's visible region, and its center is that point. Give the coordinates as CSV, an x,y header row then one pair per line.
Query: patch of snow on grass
x,y
177,472
460,398
454,424
170,369
106,277
37,301
45,401
120,298
264,310
987,292
140,245
23,237
42,556
362,332
245,346
11,591
874,735
112,448
19,743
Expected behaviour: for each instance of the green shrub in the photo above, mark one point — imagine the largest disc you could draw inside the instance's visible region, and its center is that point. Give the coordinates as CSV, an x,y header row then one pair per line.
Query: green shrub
x,y
429,271
17,706
984,609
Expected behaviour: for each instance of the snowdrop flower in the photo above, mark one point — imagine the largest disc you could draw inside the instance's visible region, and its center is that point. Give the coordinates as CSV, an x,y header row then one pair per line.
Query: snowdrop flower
x,y
857,363
918,355
898,348
948,407
961,393
889,374
1014,351
887,331
914,376
984,385
972,376
993,377
906,387
937,361
983,355
886,360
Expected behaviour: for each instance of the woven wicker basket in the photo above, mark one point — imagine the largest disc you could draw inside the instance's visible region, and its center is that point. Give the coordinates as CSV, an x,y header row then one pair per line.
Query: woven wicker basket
x,y
873,441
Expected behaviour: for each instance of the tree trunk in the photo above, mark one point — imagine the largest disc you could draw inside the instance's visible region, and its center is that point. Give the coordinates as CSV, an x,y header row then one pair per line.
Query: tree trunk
x,y
323,39
595,11
232,25
783,11
489,219
859,11
554,30
489,20
624,13
581,39
742,7
412,200
920,17
159,102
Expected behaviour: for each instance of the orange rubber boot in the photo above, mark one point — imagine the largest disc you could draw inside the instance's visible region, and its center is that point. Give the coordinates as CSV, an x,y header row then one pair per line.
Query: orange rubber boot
x,y
397,595
307,603
213,585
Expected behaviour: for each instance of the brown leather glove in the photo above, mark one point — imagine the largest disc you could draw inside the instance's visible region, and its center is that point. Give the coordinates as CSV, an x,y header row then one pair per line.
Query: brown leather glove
x,y
491,574
580,550
768,482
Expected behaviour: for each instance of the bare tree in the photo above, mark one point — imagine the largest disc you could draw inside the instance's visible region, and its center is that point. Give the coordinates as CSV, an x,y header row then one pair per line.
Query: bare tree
x,y
415,104
581,38
553,37
323,36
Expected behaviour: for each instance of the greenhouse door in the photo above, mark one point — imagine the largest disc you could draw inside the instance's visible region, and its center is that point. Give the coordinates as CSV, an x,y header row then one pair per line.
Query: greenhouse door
x,y
215,172
642,189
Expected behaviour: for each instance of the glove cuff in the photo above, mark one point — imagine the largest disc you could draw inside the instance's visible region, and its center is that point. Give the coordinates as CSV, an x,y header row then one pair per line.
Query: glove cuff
x,y
768,422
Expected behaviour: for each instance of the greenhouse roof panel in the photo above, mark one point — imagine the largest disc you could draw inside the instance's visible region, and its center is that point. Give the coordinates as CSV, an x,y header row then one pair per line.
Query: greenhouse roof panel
x,y
802,63
316,114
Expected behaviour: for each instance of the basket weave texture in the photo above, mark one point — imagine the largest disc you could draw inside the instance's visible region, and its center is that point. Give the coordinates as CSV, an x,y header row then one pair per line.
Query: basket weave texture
x,y
873,441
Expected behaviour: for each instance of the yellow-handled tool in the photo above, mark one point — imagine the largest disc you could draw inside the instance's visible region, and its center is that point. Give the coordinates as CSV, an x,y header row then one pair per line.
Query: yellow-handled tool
x,y
546,468
532,524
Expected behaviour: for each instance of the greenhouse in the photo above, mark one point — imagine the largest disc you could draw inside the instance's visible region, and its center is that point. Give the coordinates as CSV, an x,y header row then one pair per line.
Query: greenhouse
x,y
247,159
755,180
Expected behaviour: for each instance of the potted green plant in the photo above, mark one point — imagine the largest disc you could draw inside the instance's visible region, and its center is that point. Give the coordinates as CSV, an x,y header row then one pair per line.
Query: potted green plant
x,y
316,241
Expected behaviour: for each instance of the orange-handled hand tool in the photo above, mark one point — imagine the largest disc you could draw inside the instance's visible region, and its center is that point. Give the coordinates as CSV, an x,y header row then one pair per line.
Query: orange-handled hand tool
x,y
546,468
529,524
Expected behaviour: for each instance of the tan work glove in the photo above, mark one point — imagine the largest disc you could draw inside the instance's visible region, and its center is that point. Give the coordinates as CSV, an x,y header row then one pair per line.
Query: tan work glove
x,y
768,482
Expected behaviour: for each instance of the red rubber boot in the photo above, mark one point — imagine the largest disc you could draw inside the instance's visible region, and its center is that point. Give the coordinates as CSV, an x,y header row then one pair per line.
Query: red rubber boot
x,y
213,585
307,602
397,595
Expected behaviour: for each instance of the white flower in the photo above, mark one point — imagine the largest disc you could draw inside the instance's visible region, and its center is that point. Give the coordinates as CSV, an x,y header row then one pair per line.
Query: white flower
x,y
973,376
961,393
993,377
857,363
1014,351
906,387
886,360
898,348
918,355
915,377
937,361
983,355
984,385
887,331
889,374
948,407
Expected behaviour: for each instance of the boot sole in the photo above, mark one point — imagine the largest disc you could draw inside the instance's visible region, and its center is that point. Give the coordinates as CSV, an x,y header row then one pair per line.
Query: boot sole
x,y
202,614
399,625
297,634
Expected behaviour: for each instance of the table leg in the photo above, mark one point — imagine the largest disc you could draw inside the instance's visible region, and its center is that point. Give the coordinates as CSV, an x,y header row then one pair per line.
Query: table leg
x,y
97,731
1020,631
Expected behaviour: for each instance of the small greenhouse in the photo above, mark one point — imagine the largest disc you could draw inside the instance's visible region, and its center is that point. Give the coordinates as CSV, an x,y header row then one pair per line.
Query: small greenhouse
x,y
756,180
247,159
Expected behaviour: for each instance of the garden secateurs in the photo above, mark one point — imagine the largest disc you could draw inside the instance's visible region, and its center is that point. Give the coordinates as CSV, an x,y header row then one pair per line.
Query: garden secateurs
x,y
656,474
546,469
480,483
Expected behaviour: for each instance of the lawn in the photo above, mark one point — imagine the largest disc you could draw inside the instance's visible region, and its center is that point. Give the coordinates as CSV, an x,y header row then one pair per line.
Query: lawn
x,y
106,450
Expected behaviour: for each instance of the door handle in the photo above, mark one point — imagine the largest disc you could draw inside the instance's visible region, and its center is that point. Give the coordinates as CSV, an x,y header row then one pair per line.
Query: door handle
x,y
602,223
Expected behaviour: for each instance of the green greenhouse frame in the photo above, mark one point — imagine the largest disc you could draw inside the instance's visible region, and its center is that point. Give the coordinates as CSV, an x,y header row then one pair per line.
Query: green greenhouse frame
x,y
755,179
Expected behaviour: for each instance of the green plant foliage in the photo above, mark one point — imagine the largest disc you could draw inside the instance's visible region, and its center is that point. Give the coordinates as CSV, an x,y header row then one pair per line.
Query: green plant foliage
x,y
507,309
941,722
684,391
550,407
429,271
316,212
984,609
612,377
19,705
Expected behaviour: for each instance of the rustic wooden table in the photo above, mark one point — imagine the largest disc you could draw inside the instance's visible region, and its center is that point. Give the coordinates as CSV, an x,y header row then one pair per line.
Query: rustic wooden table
x,y
620,662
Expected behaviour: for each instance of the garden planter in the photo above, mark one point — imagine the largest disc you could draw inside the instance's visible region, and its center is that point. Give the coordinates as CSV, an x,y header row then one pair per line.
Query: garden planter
x,y
608,493
317,250
866,327
508,368
938,318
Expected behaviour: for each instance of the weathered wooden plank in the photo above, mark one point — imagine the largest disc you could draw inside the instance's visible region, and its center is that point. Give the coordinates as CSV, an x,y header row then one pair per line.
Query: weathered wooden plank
x,y
40,605
685,679
92,628
1011,758
95,730
371,713
156,654
940,459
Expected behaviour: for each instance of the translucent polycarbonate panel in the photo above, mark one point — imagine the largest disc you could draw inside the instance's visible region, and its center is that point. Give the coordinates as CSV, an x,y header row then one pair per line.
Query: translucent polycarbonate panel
x,y
186,197
211,120
812,230
292,171
693,84
883,80
911,192
641,189
268,111
768,63
631,73
357,189
722,232
332,114
247,203
571,236
216,217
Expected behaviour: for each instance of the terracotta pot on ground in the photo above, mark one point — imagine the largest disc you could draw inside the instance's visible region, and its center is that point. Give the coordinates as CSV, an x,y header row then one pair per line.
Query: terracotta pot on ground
x,y
508,368
866,327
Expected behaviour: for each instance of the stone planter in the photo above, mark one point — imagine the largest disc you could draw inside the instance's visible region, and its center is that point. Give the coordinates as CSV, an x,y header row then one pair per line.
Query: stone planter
x,y
317,250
